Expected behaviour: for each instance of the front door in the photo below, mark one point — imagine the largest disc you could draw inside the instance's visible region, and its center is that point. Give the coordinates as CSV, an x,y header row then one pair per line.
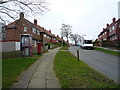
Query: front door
x,y
39,48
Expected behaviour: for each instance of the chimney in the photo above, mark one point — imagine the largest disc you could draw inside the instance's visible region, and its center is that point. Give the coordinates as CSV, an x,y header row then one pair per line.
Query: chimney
x,y
107,25
104,29
35,21
114,19
50,31
21,15
42,27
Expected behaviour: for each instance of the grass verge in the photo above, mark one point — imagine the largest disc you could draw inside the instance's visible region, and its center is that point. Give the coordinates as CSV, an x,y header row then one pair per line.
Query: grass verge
x,y
107,51
76,74
64,48
12,68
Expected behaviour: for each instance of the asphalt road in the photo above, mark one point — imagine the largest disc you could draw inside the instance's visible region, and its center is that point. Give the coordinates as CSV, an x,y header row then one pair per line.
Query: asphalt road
x,y
104,63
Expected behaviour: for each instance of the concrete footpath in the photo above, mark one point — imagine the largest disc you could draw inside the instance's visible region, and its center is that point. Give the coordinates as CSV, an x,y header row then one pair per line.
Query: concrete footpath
x,y
40,74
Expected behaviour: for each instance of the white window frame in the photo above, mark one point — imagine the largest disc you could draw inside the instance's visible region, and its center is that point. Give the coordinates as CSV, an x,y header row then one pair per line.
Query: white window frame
x,y
115,37
44,35
113,27
110,29
38,32
25,29
47,36
34,30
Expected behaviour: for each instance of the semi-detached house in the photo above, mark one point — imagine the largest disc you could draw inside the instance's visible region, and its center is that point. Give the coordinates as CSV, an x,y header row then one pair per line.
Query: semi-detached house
x,y
23,26
110,36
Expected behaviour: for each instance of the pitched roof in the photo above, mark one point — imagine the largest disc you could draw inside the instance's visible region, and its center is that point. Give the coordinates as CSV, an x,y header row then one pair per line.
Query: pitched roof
x,y
30,24
11,24
41,29
109,26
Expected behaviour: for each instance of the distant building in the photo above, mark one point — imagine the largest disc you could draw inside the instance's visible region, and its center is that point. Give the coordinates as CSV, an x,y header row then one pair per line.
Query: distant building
x,y
110,36
119,10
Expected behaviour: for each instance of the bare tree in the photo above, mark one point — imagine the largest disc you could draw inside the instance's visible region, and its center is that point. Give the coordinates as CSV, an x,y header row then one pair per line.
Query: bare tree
x,y
75,38
11,8
66,31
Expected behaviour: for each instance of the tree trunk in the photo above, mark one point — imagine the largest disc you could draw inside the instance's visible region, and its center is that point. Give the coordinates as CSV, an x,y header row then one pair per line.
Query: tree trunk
x,y
75,43
67,43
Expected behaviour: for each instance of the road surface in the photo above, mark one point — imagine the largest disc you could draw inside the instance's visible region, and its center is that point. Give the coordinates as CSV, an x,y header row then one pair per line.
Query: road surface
x,y
104,63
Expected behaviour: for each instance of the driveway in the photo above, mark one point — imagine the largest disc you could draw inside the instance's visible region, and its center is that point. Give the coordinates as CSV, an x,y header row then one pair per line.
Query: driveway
x,y
104,63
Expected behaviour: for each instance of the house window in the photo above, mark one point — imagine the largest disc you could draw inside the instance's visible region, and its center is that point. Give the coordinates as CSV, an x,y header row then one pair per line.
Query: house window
x,y
34,30
112,28
34,43
45,35
25,29
38,32
116,37
119,25
104,39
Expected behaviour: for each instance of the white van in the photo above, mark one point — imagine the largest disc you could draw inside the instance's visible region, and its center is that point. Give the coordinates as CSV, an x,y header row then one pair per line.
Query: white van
x,y
87,44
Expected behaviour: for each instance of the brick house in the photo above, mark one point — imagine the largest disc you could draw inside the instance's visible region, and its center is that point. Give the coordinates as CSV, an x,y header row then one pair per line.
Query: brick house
x,y
59,39
110,35
23,26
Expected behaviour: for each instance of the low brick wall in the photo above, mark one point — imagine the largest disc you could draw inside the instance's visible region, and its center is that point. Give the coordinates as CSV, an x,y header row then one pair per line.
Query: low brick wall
x,y
10,46
12,54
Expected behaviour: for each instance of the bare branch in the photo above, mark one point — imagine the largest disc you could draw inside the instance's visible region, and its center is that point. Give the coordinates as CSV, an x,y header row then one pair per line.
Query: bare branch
x,y
66,31
75,38
8,15
29,7
5,8
2,19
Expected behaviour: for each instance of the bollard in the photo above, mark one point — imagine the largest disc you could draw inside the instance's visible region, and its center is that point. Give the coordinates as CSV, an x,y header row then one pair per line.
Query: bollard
x,y
78,54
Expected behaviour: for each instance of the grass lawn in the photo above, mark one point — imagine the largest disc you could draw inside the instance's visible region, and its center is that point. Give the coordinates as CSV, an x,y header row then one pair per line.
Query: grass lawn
x,y
107,51
12,68
63,48
76,74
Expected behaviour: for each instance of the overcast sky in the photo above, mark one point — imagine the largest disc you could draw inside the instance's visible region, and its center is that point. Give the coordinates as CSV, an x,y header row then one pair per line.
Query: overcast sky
x,y
87,17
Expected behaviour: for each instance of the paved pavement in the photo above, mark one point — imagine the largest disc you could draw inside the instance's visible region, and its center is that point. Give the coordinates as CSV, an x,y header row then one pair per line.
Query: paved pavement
x,y
40,74
102,62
